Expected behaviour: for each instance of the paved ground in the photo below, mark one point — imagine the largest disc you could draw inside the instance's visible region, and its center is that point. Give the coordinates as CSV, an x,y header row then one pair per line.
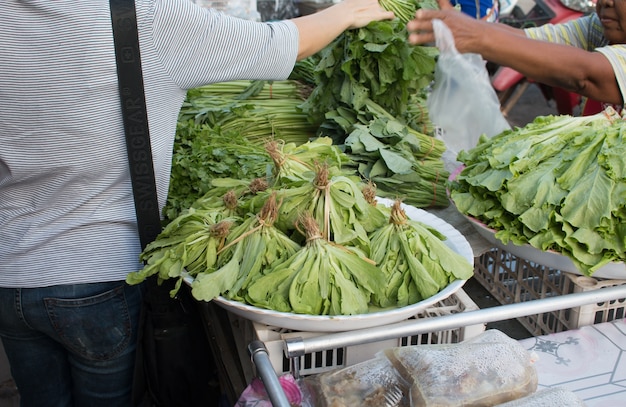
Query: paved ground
x,y
531,104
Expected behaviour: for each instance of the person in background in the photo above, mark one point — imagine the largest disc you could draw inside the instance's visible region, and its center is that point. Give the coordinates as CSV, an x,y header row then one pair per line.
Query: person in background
x,y
68,320
487,10
585,56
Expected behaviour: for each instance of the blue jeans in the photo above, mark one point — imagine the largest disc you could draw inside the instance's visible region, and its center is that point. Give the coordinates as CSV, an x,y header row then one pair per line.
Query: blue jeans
x,y
71,345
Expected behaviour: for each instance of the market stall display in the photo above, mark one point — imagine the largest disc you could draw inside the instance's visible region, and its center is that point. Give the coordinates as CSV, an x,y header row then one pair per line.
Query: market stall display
x,y
555,184
486,370
388,141
609,332
314,247
376,316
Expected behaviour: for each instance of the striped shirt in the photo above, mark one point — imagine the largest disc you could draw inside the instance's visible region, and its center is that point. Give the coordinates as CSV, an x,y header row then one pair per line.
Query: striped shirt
x,y
66,204
586,33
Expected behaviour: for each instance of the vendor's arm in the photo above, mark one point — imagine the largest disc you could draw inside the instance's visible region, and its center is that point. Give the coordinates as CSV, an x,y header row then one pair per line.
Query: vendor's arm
x,y
587,73
318,29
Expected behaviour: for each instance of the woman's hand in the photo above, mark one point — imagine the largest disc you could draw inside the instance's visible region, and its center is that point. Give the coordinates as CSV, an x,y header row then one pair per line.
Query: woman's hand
x,y
319,29
363,12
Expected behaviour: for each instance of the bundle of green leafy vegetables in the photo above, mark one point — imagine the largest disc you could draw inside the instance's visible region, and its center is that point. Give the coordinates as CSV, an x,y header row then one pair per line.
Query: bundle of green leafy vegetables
x,y
189,244
321,278
370,97
203,154
401,161
414,259
253,245
559,184
376,63
257,109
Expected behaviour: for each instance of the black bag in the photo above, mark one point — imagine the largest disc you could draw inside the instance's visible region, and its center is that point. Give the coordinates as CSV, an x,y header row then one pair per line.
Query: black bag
x,y
174,361
175,365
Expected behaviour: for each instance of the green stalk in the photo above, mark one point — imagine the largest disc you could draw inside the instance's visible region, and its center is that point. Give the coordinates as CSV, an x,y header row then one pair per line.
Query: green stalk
x,y
404,10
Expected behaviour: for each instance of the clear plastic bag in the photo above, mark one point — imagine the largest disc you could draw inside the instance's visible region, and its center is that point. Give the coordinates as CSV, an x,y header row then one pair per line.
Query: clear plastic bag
x,y
551,397
462,104
484,371
367,384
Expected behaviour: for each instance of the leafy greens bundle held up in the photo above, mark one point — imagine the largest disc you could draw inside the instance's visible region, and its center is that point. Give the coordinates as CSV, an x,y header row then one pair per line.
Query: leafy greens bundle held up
x,y
558,184
371,63
370,82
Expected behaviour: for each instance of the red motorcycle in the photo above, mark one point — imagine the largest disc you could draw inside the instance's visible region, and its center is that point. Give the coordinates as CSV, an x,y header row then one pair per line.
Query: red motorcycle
x,y
510,84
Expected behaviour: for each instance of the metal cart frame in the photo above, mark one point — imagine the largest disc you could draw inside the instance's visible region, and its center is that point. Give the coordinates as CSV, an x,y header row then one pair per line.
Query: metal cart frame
x,y
297,346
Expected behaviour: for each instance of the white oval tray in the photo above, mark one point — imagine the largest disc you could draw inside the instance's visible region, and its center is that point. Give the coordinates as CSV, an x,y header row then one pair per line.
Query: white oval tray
x,y
615,270
324,323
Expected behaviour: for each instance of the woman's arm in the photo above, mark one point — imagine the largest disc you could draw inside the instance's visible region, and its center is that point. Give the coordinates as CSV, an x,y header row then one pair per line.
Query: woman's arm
x,y
319,29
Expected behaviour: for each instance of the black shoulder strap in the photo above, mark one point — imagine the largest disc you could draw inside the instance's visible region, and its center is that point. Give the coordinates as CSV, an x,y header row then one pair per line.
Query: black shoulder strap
x,y
132,97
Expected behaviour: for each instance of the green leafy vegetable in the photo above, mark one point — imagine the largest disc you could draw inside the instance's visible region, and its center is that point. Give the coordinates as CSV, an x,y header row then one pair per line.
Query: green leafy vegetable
x,y
255,245
257,109
190,242
201,155
322,278
556,184
371,63
416,261
401,161
336,202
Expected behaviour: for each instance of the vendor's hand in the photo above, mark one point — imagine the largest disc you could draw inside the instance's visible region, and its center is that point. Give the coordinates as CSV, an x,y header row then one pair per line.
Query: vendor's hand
x,y
363,12
462,26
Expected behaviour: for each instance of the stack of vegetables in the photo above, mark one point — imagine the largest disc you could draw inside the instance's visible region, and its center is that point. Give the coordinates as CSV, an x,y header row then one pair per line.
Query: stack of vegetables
x,y
258,109
221,130
309,238
559,184
366,90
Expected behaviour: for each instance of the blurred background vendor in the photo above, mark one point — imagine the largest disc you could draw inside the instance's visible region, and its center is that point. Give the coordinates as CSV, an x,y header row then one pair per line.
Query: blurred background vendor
x,y
487,10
